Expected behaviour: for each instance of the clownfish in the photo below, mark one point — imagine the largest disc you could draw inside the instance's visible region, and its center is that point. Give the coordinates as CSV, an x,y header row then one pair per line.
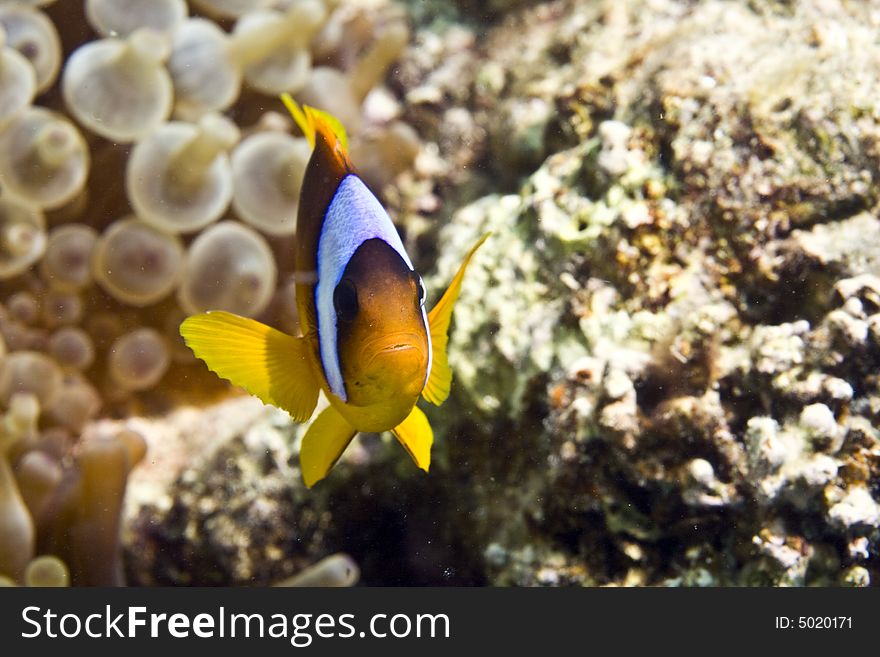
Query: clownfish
x,y
367,340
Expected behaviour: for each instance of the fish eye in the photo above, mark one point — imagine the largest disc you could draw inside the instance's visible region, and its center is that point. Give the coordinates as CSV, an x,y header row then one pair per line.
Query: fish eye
x,y
345,300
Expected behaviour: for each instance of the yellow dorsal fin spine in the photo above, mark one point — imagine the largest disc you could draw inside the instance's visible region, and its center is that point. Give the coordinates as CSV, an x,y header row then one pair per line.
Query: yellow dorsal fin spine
x,y
267,363
312,121
440,379
296,112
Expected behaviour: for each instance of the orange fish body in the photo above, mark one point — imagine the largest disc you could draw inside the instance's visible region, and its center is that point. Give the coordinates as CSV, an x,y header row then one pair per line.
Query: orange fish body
x,y
367,340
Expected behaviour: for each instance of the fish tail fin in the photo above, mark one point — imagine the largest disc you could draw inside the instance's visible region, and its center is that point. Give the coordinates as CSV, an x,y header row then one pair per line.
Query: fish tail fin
x,y
313,122
440,379
325,440
416,435
267,363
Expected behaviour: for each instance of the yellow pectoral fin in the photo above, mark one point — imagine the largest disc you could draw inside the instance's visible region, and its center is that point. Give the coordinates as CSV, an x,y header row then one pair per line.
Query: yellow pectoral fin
x,y
437,389
267,363
323,444
416,435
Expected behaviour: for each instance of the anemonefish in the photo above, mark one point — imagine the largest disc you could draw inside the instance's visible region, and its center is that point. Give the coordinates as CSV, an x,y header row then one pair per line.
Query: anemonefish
x,y
367,340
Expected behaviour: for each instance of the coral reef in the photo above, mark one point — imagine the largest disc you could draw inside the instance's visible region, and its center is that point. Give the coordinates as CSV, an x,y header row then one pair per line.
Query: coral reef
x,y
676,307
666,357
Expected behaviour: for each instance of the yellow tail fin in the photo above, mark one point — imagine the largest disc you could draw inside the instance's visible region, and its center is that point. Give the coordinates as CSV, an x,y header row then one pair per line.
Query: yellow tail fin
x,y
416,435
312,120
439,381
323,444
267,363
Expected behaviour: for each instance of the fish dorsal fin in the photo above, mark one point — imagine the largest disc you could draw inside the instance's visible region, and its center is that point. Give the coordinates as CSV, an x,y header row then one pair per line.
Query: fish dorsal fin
x,y
267,363
440,378
325,440
313,121
416,435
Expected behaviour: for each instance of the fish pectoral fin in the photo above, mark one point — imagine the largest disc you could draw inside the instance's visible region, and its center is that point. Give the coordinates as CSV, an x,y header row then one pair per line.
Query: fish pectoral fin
x,y
267,363
440,379
416,435
323,444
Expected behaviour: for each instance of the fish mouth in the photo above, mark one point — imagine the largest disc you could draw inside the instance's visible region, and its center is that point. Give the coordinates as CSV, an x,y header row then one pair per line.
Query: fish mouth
x,y
396,347
393,345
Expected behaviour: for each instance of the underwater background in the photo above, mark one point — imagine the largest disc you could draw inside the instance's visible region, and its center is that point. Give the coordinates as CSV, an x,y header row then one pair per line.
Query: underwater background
x,y
666,357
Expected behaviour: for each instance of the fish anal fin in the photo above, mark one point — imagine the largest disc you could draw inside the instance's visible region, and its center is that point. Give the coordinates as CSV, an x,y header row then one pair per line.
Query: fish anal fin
x,y
416,436
440,379
267,363
325,440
